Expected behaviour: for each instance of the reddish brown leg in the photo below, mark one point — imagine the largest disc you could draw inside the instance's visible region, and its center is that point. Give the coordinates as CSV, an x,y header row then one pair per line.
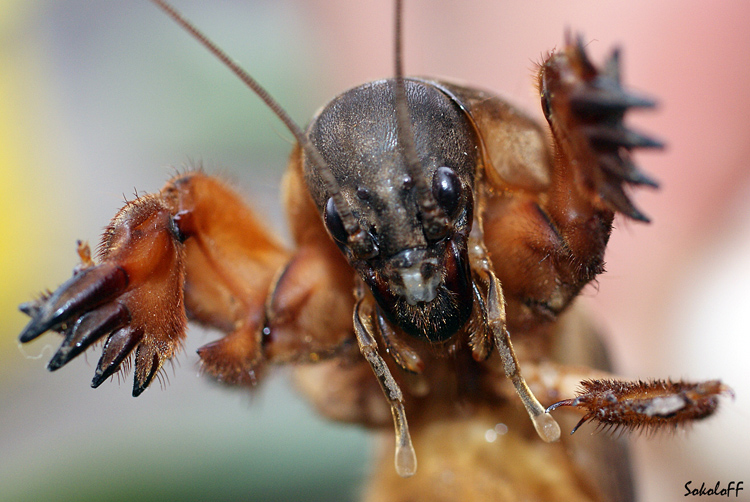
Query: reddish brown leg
x,y
309,310
194,247
134,295
231,263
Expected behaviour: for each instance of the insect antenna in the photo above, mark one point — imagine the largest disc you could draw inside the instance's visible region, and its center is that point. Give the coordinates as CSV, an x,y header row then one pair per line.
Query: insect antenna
x,y
358,238
433,218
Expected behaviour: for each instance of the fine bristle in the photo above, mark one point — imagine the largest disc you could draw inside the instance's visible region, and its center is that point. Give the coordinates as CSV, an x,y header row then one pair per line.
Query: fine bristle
x,y
645,406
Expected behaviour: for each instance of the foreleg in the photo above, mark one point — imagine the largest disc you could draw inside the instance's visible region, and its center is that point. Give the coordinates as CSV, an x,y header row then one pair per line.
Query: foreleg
x,y
192,250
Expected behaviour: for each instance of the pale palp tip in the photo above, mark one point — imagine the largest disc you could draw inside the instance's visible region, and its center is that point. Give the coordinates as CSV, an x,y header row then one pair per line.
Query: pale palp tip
x,y
546,427
406,460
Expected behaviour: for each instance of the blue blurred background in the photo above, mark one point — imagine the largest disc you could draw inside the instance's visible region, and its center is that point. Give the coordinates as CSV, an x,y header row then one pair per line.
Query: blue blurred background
x,y
99,99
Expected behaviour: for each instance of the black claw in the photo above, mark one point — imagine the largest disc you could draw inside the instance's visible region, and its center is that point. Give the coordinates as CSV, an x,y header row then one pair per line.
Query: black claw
x,y
612,192
588,66
33,307
612,66
605,137
569,402
118,347
580,423
622,167
637,215
84,291
601,101
566,402
87,330
147,364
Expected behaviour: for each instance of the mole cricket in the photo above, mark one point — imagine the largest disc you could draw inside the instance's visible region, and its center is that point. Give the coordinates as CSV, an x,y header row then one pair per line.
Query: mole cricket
x,y
472,230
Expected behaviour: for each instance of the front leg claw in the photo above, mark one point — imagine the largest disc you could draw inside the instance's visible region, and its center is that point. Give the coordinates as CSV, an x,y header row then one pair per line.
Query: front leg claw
x,y
84,291
585,107
134,296
88,329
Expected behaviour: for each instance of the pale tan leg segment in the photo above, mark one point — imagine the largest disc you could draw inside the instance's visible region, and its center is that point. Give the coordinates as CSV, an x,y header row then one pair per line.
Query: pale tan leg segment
x,y
545,425
406,458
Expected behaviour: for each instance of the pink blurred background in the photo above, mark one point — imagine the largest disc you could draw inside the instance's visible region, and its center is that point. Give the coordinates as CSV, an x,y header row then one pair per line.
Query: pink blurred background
x,y
100,98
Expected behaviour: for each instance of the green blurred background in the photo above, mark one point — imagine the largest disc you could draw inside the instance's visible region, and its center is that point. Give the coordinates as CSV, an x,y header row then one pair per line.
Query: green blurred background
x,y
98,99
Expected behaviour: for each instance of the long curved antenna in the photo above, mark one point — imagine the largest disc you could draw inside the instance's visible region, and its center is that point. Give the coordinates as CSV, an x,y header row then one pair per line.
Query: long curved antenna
x,y
433,218
351,225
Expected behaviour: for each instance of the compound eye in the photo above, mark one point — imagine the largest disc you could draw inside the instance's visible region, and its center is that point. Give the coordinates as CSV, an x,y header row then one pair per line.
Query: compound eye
x,y
447,189
334,224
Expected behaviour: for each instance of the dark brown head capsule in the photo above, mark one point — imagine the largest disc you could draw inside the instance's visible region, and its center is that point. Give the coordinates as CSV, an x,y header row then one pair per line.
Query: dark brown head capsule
x,y
422,284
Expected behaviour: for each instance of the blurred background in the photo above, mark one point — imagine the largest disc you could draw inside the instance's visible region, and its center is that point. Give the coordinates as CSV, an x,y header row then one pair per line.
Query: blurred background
x,y
99,99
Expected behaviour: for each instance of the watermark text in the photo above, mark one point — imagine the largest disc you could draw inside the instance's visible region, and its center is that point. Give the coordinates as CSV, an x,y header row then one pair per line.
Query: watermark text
x,y
732,489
